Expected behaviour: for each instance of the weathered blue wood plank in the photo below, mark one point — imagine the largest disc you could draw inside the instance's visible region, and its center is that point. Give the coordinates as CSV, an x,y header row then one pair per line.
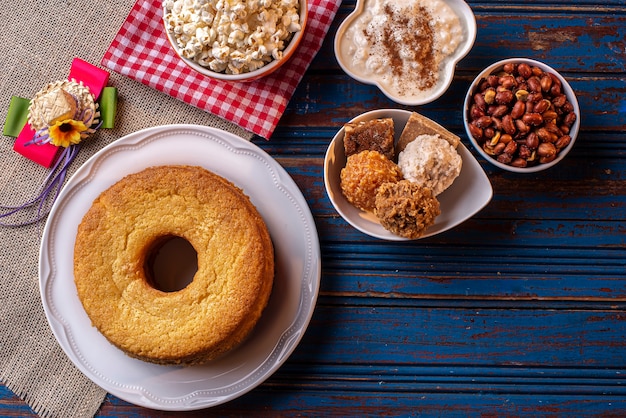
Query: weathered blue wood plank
x,y
576,41
448,337
411,355
435,403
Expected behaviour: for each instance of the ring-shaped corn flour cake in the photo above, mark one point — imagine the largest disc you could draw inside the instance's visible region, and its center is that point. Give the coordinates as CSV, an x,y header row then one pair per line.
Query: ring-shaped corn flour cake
x,y
228,293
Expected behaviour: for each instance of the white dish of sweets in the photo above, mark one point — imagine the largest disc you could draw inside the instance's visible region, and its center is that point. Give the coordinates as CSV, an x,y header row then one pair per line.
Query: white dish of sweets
x,y
408,49
470,192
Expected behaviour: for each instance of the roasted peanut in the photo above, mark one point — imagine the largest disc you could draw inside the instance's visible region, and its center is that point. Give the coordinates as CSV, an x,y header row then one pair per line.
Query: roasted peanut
x,y
532,140
533,119
483,121
534,84
504,97
510,148
555,79
518,110
542,105
559,101
524,152
499,111
476,132
499,148
563,141
521,126
508,125
479,99
546,149
552,128
569,119
547,159
490,96
476,112
543,134
497,123
524,70
507,82
546,83
505,158
534,97
549,115
489,133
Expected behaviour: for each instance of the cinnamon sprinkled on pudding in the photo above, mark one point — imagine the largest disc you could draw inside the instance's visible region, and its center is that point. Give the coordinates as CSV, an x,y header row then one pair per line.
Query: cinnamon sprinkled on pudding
x,y
403,45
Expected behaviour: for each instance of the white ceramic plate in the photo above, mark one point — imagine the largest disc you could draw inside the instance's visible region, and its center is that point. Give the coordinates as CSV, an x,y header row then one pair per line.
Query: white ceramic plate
x,y
470,192
468,23
285,319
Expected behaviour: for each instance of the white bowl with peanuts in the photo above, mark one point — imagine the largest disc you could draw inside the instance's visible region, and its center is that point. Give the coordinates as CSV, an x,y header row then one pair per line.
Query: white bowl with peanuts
x,y
521,115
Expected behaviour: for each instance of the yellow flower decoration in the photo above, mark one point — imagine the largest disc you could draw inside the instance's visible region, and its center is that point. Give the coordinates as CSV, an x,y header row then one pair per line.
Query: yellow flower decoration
x,y
66,132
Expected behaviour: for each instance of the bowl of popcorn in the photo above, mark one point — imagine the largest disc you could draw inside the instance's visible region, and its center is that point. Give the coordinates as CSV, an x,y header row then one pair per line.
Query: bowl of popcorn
x,y
235,40
521,115
398,175
408,49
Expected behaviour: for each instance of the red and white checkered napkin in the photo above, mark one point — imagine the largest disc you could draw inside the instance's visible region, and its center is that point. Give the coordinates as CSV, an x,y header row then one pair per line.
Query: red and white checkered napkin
x,y
141,51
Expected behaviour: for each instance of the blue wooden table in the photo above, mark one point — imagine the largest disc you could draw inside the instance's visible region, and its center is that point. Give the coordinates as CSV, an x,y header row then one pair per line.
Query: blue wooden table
x,y
519,311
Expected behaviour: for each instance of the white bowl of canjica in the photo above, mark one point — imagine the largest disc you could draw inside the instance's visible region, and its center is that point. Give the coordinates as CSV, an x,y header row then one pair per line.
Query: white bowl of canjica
x,y
408,49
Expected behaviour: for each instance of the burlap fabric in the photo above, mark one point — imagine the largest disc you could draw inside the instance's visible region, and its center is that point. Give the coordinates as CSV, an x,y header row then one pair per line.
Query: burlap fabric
x,y
39,40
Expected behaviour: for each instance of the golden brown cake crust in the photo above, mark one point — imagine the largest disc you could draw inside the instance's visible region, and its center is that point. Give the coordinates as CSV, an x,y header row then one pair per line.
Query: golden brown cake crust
x,y
215,312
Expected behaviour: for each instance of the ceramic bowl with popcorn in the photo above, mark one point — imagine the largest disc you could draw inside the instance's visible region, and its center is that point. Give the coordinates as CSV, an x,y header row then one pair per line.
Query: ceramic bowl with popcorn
x,y
236,40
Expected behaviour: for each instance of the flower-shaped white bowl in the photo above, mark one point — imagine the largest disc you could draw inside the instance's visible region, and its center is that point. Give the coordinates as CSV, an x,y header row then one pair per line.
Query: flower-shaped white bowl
x,y
265,70
446,71
566,89
470,192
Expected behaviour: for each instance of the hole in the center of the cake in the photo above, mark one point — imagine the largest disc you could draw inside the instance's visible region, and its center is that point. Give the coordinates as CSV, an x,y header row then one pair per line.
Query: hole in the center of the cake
x,y
171,264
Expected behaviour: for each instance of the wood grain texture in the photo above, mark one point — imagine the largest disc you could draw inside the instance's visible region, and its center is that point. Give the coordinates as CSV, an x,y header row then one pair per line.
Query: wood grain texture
x,y
520,311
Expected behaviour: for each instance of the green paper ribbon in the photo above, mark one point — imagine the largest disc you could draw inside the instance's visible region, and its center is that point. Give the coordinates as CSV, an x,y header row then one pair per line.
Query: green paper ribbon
x,y
17,115
108,107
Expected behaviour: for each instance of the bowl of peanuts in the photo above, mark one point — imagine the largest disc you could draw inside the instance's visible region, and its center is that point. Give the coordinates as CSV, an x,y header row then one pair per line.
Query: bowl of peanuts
x,y
521,115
